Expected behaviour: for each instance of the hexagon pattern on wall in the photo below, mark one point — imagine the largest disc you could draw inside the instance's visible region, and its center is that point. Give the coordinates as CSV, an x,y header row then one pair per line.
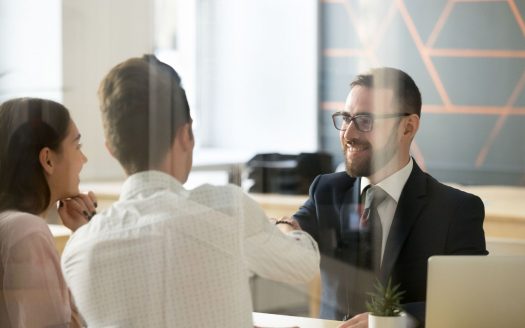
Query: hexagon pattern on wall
x,y
467,56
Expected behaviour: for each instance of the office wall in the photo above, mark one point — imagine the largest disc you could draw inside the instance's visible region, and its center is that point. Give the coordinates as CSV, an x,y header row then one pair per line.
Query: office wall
x,y
30,56
468,58
257,75
252,65
98,34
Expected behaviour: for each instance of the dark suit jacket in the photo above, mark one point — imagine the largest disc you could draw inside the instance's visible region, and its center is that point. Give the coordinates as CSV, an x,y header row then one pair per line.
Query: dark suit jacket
x,y
430,219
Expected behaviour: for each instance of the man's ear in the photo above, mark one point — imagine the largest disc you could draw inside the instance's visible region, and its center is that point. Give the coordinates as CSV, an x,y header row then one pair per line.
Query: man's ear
x,y
46,159
185,136
411,126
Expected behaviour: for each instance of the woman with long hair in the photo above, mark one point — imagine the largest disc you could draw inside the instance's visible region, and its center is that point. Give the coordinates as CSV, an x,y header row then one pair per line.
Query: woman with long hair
x,y
40,162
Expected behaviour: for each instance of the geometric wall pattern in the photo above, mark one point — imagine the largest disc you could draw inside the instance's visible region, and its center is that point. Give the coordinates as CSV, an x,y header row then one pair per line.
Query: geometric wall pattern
x,y
467,57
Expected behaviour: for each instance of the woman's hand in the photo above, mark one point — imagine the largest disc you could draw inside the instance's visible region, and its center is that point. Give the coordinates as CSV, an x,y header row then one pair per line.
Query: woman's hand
x,y
78,210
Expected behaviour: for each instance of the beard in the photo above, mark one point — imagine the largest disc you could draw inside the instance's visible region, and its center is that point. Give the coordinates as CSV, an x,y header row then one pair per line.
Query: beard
x,y
374,160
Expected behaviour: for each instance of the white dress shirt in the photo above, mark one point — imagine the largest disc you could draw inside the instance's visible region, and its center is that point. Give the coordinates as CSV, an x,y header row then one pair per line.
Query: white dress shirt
x,y
164,256
393,185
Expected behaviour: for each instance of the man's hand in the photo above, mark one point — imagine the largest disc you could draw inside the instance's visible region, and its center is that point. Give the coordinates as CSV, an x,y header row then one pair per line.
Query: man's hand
x,y
77,211
286,224
358,321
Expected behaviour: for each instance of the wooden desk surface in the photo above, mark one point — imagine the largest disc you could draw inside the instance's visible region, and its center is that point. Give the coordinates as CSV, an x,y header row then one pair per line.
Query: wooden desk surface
x,y
285,321
501,202
504,210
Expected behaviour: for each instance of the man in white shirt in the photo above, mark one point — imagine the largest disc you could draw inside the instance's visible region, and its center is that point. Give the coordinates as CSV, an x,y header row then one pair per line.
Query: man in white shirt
x,y
164,256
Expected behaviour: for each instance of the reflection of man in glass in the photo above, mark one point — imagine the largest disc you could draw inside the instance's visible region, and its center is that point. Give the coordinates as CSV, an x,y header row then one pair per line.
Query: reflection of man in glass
x,y
162,255
383,217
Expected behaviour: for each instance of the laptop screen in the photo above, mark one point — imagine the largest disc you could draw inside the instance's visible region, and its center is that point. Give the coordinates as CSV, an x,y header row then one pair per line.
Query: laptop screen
x,y
475,291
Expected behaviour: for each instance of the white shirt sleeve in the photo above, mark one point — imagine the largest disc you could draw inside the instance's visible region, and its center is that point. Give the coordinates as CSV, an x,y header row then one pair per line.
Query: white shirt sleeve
x,y
290,258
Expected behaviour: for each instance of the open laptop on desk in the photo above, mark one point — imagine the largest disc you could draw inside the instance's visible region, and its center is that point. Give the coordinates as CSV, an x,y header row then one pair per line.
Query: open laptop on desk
x,y
475,291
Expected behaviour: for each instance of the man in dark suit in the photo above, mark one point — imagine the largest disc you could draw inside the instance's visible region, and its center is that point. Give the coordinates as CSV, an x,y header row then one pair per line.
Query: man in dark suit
x,y
416,216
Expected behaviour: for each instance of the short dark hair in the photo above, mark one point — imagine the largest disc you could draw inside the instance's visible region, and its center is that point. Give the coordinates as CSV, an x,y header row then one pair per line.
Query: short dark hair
x,y
143,105
406,92
27,125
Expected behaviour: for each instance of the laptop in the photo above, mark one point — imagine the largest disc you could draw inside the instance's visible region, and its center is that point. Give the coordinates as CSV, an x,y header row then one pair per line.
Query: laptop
x,y
475,291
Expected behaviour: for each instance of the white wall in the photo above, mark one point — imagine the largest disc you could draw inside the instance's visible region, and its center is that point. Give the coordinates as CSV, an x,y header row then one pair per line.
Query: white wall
x,y
98,34
250,66
31,44
183,57
257,74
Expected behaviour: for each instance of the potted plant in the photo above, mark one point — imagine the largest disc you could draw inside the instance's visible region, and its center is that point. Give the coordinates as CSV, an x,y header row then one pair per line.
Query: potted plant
x,y
385,307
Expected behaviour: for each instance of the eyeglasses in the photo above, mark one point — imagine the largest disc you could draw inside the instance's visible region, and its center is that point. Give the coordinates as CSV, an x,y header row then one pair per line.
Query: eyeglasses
x,y
363,122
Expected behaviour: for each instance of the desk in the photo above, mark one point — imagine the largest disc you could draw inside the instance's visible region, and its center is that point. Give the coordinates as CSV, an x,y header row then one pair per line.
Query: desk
x,y
504,210
274,320
276,206
61,235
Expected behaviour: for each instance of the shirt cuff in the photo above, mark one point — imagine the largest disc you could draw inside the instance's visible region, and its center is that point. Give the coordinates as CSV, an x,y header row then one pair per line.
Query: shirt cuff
x,y
304,238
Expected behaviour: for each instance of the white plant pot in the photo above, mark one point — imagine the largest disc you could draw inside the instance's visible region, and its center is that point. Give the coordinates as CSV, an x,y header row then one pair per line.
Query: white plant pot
x,y
387,322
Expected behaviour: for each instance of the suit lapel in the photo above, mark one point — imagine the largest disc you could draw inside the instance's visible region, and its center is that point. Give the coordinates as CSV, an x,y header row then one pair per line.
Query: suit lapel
x,y
410,204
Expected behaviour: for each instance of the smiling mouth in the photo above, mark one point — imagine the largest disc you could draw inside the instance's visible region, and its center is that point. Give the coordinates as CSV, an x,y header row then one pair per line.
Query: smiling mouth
x,y
354,147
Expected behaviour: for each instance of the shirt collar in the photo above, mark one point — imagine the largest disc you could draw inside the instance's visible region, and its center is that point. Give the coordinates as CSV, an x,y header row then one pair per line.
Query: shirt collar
x,y
394,184
149,181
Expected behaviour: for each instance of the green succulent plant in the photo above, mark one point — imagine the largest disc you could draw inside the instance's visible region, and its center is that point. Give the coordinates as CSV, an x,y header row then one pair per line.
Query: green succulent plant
x,y
385,301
